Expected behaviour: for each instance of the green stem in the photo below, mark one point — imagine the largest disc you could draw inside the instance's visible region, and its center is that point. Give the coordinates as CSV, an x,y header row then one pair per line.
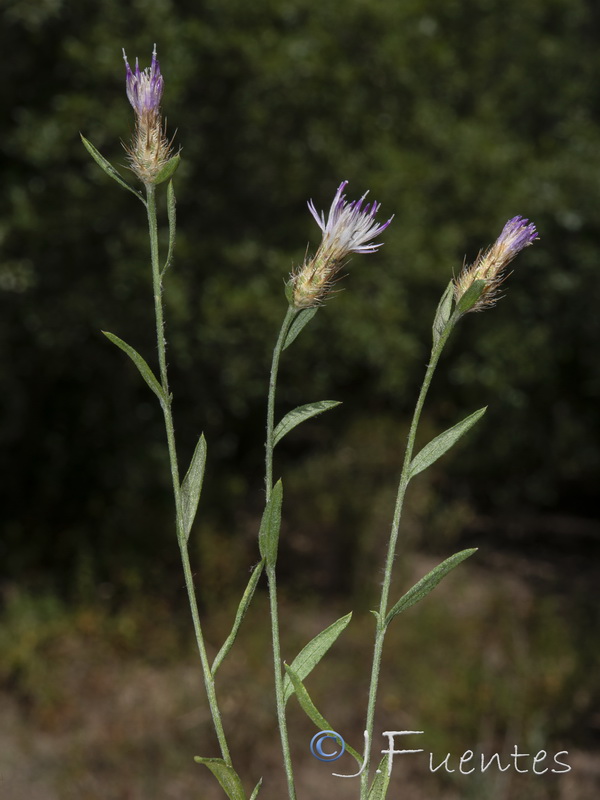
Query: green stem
x,y
278,672
269,448
168,416
391,552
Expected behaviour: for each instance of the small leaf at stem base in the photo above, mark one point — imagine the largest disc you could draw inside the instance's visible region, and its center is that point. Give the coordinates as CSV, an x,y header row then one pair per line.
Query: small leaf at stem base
x,y
299,414
442,443
191,487
226,775
313,652
311,711
242,608
422,588
268,535
380,783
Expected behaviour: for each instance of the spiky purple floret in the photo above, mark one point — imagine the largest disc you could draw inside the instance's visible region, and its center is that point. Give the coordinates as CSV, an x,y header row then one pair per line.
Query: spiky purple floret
x,y
349,226
144,88
517,234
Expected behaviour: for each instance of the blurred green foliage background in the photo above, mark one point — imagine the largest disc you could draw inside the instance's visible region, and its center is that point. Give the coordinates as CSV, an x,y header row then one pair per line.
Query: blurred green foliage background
x,y
457,115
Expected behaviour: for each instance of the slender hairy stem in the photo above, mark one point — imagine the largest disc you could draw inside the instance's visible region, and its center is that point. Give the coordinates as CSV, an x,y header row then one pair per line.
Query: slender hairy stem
x,y
278,672
277,665
269,446
181,536
391,553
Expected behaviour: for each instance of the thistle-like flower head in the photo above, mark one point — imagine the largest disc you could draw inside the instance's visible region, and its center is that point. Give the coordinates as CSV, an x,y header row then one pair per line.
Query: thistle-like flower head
x,y
349,228
150,149
144,89
489,266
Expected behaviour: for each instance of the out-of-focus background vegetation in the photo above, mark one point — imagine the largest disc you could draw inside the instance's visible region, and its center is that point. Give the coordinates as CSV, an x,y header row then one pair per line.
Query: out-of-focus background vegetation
x,y
457,114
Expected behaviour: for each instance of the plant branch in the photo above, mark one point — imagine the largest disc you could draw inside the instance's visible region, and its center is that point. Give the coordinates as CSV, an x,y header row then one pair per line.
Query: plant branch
x,y
391,552
271,573
170,431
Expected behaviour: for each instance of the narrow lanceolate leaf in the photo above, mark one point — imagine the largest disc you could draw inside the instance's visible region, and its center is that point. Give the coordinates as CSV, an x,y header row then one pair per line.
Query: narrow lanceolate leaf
x,y
254,794
303,698
442,443
172,217
226,775
141,364
422,588
442,315
268,535
192,487
168,170
242,608
303,318
311,711
299,414
379,786
107,167
313,652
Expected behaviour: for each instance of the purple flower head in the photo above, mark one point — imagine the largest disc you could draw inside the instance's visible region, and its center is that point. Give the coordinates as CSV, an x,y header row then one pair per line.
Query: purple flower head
x,y
489,266
144,88
349,226
150,150
516,235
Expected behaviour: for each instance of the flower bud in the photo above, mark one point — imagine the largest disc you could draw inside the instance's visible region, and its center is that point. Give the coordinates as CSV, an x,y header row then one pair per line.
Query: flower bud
x,y
476,288
150,150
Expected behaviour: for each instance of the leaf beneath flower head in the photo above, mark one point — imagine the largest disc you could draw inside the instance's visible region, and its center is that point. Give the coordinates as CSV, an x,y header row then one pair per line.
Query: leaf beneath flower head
x,y
108,168
168,170
303,318
471,296
442,314
172,217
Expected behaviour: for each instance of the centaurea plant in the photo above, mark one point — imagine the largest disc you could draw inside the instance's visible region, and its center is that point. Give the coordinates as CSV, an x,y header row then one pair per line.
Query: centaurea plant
x,y
350,228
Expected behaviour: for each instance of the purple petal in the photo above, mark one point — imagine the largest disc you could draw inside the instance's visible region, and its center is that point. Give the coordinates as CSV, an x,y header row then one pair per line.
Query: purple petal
x,y
350,227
